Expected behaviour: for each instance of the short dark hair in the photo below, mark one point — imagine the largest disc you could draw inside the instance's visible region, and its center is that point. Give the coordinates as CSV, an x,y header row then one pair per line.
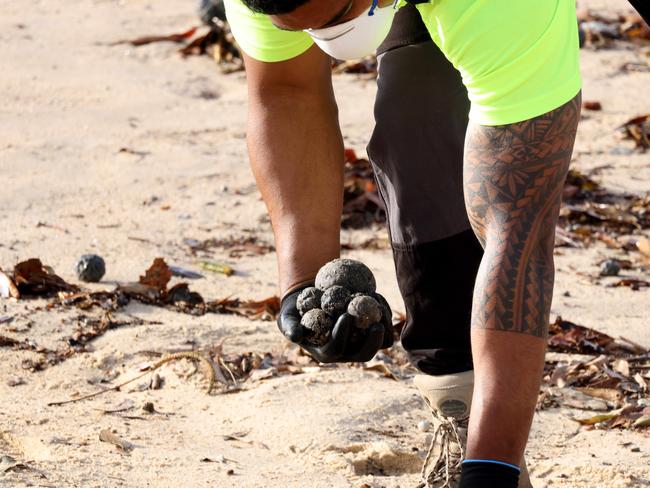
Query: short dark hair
x,y
274,7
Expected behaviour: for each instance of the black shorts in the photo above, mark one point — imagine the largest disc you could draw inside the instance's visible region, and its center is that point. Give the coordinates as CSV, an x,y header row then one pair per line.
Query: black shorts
x,y
416,149
643,7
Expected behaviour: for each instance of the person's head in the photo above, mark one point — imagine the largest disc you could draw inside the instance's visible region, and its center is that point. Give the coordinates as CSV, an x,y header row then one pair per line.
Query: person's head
x,y
345,29
309,14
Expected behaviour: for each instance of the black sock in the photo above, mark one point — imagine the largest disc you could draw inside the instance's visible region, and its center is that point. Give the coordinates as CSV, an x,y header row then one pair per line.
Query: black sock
x,y
488,474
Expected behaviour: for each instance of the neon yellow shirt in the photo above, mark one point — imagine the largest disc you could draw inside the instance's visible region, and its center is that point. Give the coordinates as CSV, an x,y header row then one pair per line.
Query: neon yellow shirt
x,y
518,58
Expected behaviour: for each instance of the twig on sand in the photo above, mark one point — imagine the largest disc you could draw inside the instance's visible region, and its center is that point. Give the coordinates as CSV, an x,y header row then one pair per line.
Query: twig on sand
x,y
172,357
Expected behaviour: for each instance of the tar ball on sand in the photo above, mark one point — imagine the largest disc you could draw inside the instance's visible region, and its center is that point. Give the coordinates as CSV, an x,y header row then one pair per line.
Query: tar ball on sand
x,y
90,268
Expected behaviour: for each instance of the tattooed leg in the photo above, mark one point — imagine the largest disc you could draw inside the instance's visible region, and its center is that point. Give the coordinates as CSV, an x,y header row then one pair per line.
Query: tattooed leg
x,y
513,179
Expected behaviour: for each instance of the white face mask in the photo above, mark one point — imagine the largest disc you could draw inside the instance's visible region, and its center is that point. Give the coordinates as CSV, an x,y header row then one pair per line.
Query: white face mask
x,y
358,37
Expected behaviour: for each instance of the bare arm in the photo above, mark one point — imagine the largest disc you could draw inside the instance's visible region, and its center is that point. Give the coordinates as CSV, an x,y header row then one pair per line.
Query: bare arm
x,y
296,154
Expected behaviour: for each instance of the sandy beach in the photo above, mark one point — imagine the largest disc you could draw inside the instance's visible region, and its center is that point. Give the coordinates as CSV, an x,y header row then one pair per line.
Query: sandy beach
x,y
134,152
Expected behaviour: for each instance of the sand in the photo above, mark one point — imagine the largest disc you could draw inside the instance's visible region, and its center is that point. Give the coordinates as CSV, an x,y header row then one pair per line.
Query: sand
x,y
126,152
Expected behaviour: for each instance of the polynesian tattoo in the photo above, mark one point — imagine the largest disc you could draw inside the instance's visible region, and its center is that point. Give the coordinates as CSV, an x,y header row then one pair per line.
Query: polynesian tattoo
x,y
513,181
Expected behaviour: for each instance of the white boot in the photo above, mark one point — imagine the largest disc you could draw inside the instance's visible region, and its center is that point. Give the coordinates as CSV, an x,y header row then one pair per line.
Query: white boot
x,y
450,400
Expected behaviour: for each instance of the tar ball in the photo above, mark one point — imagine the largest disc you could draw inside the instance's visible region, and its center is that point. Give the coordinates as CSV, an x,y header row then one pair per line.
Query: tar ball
x,y
351,274
611,267
335,300
308,299
319,326
365,310
90,268
386,311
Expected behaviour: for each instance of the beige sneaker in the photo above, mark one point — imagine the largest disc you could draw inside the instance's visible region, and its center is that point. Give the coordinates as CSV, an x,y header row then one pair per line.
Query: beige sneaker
x,y
450,400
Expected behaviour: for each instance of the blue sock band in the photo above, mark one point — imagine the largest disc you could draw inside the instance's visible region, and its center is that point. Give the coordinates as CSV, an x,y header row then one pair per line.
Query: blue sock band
x,y
490,461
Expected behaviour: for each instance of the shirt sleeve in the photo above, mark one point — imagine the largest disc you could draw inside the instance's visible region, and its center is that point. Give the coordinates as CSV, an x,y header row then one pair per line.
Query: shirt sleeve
x,y
259,38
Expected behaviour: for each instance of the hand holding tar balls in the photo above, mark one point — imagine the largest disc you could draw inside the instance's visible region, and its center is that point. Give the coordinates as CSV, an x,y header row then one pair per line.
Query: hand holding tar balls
x,y
341,318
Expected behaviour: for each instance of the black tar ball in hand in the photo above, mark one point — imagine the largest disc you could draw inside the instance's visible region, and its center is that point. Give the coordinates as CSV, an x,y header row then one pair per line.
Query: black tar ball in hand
x,y
335,300
308,299
90,268
319,326
348,273
365,310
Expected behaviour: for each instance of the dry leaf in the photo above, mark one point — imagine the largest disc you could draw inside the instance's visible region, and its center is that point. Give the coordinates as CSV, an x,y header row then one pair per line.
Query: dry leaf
x,y
565,336
609,394
632,283
596,419
382,368
575,398
366,65
591,213
32,278
220,44
262,374
8,341
236,246
638,129
591,105
181,295
107,436
362,205
643,245
139,291
157,276
266,309
643,421
640,381
622,366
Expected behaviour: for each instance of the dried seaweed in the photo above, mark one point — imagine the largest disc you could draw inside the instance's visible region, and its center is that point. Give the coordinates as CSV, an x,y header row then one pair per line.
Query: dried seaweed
x,y
150,39
237,247
634,284
362,205
88,329
617,376
216,40
32,278
266,309
151,289
591,213
157,276
218,43
192,355
367,66
567,337
638,130
598,31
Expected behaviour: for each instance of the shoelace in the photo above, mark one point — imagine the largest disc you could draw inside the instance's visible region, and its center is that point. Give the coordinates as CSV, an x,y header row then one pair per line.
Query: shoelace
x,y
447,465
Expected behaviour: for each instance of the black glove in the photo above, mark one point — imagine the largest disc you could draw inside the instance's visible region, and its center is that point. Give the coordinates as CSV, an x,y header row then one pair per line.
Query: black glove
x,y
346,343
